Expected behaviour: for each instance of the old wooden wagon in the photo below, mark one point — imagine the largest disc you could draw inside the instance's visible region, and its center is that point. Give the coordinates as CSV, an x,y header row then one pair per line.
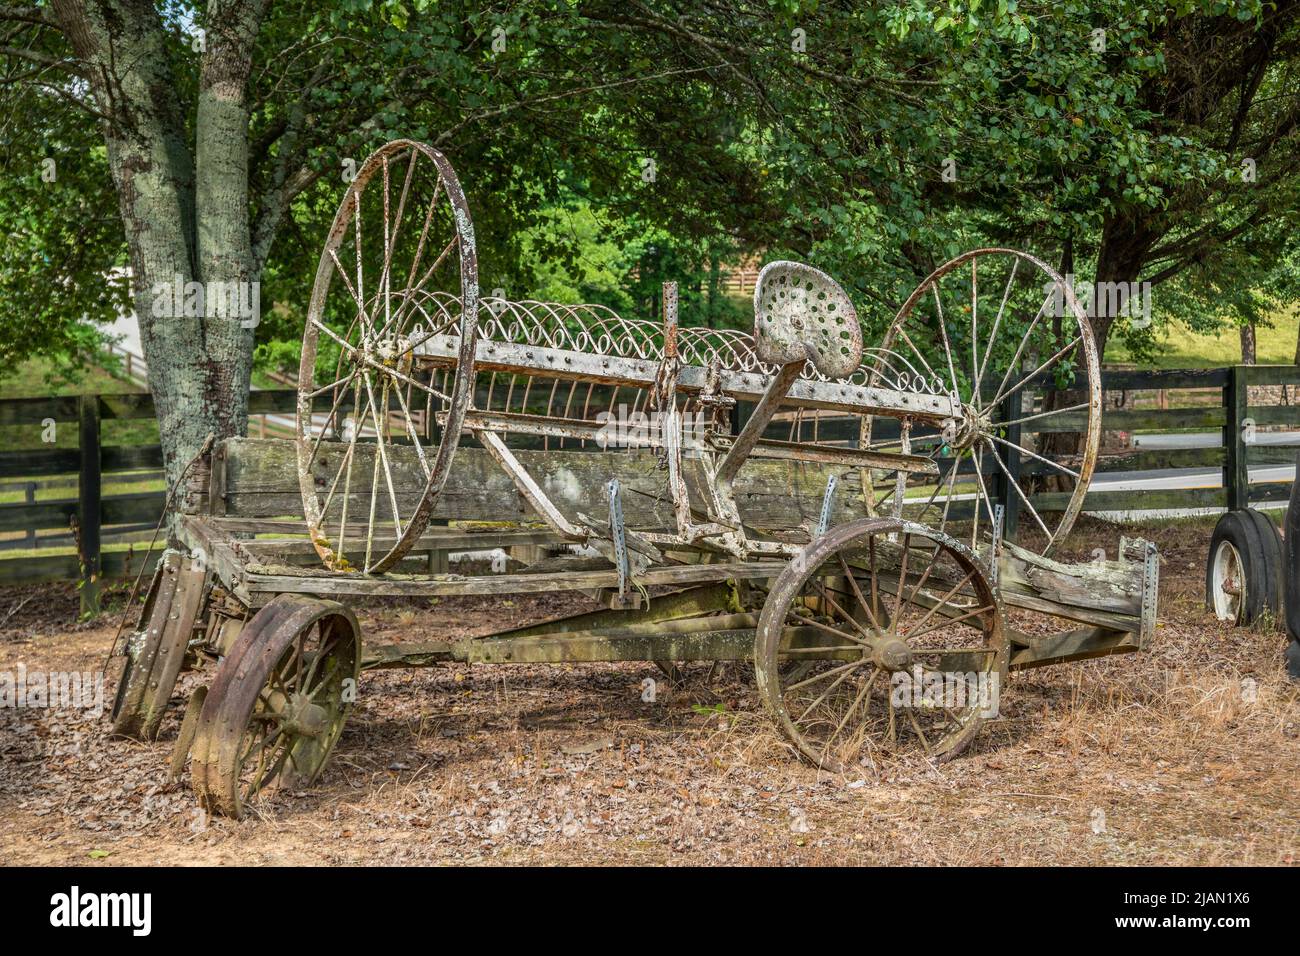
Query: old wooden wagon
x,y
829,512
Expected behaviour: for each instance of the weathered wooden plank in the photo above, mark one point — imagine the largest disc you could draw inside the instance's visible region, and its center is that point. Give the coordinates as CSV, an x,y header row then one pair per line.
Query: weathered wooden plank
x,y
1168,378
35,462
260,479
1272,374
1270,491
30,463
134,508
263,583
88,502
1144,499
1272,454
1274,414
1129,379
33,411
1153,419
1152,459
1075,645
114,565
301,550
1102,585
132,457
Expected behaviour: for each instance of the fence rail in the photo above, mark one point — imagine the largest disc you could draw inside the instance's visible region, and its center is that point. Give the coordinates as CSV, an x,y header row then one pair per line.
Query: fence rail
x,y
91,518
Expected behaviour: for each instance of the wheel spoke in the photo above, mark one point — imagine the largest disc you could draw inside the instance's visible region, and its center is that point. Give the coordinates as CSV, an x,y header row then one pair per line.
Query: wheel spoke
x,y
997,321
824,694
388,474
1025,451
1038,415
866,688
390,240
827,628
821,587
410,431
825,674
902,579
1015,359
1015,486
410,293
1001,396
943,332
934,560
424,233
343,344
950,620
933,374
403,377
929,751
942,601
857,591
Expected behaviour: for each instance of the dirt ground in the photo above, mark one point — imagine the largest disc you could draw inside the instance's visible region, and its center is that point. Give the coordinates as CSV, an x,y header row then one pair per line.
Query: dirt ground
x,y
1189,754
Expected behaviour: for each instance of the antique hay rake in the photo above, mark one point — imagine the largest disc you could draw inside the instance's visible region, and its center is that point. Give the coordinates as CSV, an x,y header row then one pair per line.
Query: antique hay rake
x,y
867,558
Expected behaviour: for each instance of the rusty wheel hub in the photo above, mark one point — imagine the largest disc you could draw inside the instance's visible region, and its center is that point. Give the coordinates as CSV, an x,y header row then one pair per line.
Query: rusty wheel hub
x,y
892,654
303,718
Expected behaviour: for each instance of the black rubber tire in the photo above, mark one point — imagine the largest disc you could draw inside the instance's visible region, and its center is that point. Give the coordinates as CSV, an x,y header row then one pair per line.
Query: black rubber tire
x,y
1261,563
1274,570
1293,660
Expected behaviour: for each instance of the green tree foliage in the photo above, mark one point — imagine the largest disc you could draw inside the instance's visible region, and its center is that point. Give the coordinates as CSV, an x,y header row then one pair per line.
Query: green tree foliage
x,y
607,146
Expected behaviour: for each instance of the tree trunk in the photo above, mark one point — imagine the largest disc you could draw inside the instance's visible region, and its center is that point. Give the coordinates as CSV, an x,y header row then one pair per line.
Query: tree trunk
x,y
715,280
185,215
1124,245
1248,343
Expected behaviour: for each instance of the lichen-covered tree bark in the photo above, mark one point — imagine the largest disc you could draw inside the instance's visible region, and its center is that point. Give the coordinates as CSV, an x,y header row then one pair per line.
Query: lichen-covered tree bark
x,y
185,213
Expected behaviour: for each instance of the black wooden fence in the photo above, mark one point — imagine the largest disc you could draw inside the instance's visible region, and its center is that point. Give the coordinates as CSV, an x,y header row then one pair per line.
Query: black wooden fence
x,y
92,517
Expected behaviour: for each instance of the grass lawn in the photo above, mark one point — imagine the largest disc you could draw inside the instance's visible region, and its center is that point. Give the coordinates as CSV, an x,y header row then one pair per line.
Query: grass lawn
x,y
1180,347
37,377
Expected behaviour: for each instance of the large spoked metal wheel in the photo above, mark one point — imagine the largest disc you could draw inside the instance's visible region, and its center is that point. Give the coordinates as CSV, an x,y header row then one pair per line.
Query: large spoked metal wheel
x,y
899,640
277,704
985,327
377,426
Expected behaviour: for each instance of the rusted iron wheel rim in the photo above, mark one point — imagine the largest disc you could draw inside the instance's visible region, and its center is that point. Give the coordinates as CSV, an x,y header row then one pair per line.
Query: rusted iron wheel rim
x,y
1028,319
406,217
277,704
894,616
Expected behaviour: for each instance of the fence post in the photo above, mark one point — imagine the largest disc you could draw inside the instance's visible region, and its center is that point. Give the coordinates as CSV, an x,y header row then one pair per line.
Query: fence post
x,y
1007,483
29,497
1236,477
88,503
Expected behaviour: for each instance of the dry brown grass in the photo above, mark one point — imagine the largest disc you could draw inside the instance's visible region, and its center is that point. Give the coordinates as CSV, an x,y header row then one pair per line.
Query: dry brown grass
x,y
1188,753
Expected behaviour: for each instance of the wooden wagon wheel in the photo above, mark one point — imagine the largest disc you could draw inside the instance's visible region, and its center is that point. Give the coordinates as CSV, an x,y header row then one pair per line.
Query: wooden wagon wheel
x,y
903,640
277,704
399,267
984,326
